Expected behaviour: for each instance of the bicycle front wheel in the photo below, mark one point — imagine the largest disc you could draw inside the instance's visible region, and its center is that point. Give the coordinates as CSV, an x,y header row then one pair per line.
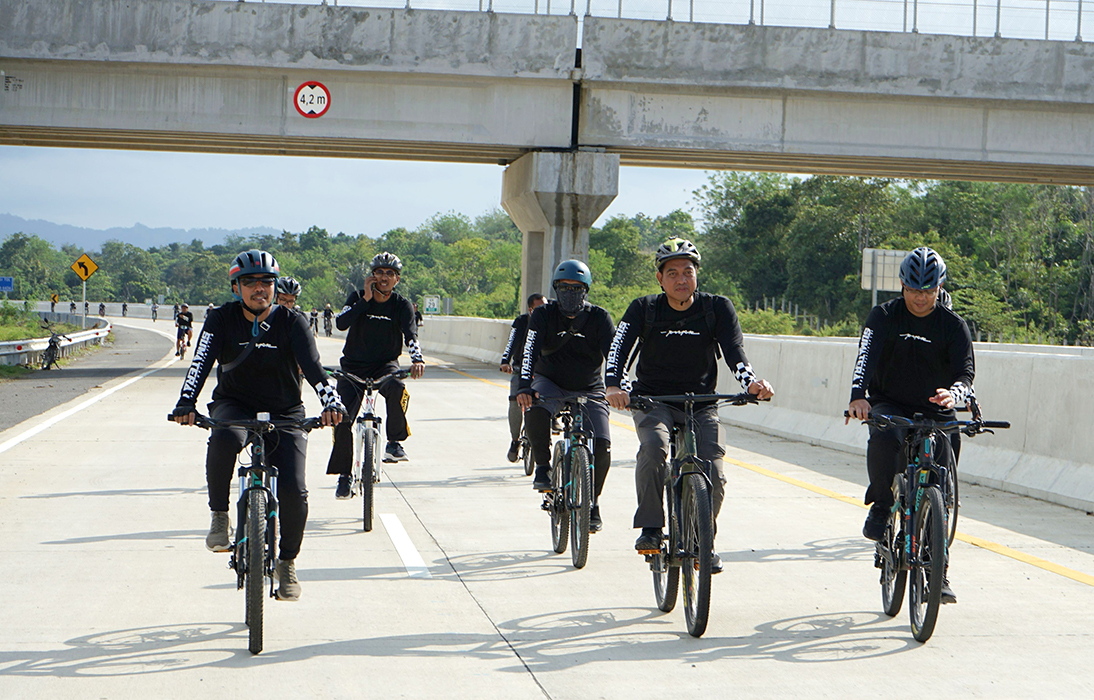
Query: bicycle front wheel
x,y
698,532
255,585
526,455
889,553
666,578
950,498
928,565
560,520
369,455
580,505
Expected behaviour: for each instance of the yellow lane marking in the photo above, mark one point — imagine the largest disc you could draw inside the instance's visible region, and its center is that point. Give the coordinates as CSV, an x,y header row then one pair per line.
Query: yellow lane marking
x,y
820,490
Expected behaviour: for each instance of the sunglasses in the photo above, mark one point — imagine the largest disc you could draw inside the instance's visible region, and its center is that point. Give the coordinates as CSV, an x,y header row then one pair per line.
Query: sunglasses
x,y
255,281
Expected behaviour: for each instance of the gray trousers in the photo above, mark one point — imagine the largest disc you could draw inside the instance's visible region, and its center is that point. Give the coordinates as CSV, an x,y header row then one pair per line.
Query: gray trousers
x,y
516,414
654,433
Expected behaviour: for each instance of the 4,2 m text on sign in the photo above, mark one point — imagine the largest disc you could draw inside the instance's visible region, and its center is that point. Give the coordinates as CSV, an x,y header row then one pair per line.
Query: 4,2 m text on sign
x,y
312,99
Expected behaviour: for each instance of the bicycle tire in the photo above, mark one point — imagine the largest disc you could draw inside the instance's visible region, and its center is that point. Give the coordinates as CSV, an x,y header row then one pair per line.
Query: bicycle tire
x,y
928,564
255,584
49,357
368,477
560,520
526,455
580,505
893,577
698,540
666,578
950,498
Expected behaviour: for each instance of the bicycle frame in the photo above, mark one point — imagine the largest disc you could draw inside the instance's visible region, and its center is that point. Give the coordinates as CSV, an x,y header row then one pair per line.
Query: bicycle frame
x,y
261,476
367,421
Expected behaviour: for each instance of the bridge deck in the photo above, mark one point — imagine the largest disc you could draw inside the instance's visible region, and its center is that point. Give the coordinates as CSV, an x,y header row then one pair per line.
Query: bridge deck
x,y
109,591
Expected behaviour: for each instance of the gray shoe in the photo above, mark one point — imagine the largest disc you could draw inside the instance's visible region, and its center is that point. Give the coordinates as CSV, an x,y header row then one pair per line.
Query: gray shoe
x,y
394,453
219,538
285,573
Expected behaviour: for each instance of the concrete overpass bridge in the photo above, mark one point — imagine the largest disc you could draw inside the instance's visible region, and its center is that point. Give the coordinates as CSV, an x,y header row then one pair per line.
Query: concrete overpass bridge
x,y
282,79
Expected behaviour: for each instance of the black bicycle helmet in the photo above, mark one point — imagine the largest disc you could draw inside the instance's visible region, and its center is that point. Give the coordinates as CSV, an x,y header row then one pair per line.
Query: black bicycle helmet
x,y
253,262
386,260
573,270
922,269
288,285
677,248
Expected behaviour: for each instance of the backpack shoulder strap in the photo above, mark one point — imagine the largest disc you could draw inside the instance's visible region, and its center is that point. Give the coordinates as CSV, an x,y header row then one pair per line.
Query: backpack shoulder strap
x,y
574,328
264,326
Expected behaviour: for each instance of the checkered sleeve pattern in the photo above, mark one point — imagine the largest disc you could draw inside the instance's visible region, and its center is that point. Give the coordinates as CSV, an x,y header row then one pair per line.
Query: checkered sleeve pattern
x,y
961,392
415,351
744,374
328,396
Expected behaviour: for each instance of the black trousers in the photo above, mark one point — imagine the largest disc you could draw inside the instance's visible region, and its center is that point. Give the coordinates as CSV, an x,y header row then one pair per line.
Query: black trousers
x,y
286,450
885,451
397,399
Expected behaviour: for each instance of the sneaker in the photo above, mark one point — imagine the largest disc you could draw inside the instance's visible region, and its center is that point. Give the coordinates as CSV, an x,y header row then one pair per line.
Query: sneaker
x,y
948,596
649,540
343,492
395,453
285,573
542,480
219,538
874,528
514,451
716,566
595,523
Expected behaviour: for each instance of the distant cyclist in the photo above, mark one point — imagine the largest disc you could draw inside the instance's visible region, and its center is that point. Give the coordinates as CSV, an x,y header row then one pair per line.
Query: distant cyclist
x,y
258,347
564,353
72,307
915,356
328,320
512,357
678,334
155,310
313,321
102,309
125,309
175,311
378,321
184,322
288,289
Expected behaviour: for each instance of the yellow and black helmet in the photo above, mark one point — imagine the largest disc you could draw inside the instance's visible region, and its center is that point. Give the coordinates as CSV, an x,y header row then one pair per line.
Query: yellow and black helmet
x,y
677,248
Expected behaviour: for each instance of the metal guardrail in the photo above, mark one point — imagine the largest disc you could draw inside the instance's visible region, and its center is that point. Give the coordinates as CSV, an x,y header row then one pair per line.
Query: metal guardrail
x,y
1058,20
29,352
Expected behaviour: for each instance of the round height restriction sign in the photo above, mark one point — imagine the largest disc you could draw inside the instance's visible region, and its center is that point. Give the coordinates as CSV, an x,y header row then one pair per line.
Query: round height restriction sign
x,y
312,99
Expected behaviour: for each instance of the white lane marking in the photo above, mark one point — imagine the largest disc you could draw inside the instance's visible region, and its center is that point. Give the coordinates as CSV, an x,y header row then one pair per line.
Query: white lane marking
x,y
412,561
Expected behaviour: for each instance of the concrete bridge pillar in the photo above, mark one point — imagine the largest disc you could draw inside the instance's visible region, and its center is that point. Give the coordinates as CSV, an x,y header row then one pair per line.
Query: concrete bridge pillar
x,y
553,198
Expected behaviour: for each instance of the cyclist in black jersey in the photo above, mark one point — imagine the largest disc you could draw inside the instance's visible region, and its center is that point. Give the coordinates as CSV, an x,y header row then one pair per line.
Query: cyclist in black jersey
x,y
313,321
378,321
258,346
915,356
288,289
184,322
676,336
564,352
512,357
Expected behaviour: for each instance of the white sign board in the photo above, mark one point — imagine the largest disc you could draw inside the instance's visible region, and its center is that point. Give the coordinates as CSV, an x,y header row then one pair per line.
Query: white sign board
x,y
881,269
431,305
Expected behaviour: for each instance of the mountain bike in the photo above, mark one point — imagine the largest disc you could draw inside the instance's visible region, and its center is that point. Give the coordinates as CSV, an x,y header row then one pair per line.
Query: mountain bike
x,y
366,440
327,326
254,553
924,517
689,545
570,500
52,354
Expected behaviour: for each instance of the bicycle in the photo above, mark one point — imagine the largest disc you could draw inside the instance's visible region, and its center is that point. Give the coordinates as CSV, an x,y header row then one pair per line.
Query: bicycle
x,y
52,354
367,454
526,453
570,500
327,326
689,545
928,511
253,555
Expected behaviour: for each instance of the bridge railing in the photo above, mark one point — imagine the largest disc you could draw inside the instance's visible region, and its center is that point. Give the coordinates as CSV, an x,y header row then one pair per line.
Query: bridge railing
x,y
1057,20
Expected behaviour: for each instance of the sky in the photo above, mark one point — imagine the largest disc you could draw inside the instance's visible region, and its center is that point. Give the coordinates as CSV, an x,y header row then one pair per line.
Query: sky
x,y
101,189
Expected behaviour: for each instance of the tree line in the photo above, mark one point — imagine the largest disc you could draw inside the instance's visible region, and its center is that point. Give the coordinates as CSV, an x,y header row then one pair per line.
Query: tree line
x,y
1020,257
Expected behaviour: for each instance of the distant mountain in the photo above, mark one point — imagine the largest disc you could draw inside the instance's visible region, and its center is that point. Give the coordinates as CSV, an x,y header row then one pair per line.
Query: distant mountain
x,y
139,234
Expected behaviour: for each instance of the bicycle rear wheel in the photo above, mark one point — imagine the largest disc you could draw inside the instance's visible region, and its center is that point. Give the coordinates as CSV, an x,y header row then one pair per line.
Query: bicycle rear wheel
x,y
698,539
560,519
369,456
666,578
950,497
526,455
581,502
888,555
255,584
928,564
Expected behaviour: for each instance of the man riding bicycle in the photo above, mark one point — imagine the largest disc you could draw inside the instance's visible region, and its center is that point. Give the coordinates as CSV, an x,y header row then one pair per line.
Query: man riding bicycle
x,y
678,334
564,352
378,321
915,356
288,289
313,320
258,347
513,356
184,323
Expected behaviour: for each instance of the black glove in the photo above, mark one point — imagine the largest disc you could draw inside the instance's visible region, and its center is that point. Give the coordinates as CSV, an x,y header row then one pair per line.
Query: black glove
x,y
184,409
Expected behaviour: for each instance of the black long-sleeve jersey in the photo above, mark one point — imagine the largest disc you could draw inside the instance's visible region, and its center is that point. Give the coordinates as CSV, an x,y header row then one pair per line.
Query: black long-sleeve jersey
x,y
678,352
185,320
514,347
267,379
576,365
903,359
377,331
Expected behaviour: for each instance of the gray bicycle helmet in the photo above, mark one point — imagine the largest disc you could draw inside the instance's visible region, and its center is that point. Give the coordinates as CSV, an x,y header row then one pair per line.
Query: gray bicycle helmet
x,y
572,270
922,269
677,248
253,262
386,260
288,285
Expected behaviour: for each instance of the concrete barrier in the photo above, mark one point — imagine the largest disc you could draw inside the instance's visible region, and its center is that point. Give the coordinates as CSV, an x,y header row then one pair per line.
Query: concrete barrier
x,y
1046,392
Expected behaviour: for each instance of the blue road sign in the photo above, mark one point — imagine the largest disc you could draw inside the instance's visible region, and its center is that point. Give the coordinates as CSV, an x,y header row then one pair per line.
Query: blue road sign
x,y
7,284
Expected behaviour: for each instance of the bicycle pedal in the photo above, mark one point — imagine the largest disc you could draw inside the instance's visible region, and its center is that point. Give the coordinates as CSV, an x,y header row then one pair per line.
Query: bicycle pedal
x,y
648,552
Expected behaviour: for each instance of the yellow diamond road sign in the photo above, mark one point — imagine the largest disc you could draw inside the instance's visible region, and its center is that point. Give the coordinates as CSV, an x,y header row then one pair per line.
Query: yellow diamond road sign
x,y
84,267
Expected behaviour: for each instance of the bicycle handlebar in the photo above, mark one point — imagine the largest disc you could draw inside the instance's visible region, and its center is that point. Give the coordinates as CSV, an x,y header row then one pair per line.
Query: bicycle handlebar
x,y
642,402
342,374
968,427
262,426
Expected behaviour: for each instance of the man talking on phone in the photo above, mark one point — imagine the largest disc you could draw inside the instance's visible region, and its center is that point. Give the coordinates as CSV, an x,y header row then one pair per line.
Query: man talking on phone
x,y
377,321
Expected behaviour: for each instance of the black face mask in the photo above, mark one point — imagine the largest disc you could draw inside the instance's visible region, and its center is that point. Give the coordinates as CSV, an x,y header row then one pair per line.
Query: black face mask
x,y
571,299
